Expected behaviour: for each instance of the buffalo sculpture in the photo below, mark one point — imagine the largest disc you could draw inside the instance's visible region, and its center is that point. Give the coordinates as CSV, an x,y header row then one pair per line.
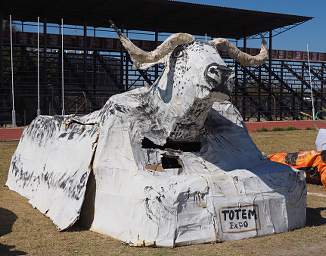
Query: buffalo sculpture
x,y
167,164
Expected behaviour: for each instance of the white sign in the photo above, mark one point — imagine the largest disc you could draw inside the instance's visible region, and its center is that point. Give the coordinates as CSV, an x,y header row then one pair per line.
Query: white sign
x,y
239,219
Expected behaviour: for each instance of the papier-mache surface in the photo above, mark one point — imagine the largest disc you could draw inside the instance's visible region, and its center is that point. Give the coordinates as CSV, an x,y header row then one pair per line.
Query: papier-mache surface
x,y
51,166
165,165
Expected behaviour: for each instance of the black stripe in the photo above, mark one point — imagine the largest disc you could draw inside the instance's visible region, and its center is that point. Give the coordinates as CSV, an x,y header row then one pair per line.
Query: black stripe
x,y
291,158
323,156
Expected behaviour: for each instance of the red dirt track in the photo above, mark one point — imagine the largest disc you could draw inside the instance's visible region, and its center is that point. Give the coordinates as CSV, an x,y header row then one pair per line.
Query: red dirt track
x,y
11,134
302,124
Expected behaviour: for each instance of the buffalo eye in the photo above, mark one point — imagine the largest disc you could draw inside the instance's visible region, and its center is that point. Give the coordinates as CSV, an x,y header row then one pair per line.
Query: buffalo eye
x,y
178,52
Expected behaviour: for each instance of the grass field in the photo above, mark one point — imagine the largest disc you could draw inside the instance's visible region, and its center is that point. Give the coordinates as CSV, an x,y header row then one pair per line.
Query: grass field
x,y
24,230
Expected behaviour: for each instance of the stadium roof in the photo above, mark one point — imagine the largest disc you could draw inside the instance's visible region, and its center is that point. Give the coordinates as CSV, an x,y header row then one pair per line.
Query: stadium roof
x,y
153,15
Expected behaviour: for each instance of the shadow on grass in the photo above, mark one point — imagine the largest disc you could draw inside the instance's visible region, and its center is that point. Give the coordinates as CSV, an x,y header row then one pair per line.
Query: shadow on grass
x,y
314,217
7,219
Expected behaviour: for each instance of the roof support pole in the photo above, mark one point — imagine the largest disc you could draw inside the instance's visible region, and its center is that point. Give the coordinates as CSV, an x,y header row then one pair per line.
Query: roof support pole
x,y
13,111
94,65
301,87
126,69
236,80
1,53
259,95
244,82
38,111
44,65
270,50
311,87
236,83
156,44
62,73
121,65
281,92
84,56
293,110
322,70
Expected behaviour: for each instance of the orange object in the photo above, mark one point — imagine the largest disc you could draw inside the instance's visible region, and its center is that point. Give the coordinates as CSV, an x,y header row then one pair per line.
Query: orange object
x,y
313,162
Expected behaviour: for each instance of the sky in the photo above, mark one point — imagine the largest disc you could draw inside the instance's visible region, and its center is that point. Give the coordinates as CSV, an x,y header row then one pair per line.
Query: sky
x,y
312,32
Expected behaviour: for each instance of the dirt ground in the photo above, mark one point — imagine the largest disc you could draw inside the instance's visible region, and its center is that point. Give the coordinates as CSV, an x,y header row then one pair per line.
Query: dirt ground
x,y
25,231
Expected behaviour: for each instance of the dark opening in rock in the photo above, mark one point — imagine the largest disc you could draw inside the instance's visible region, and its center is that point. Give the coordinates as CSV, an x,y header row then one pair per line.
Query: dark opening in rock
x,y
184,146
169,162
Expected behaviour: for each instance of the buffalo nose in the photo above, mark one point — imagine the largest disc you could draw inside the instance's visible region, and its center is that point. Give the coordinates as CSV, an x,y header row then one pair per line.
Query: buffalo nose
x,y
216,76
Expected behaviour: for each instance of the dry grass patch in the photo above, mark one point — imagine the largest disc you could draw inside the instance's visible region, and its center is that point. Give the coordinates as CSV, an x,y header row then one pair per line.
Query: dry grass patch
x,y
25,230
289,141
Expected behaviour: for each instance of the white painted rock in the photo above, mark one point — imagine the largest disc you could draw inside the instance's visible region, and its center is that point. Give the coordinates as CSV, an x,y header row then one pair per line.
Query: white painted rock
x,y
168,165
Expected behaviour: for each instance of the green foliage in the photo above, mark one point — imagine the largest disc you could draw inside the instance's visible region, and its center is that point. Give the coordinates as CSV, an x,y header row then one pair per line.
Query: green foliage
x,y
291,128
262,130
278,129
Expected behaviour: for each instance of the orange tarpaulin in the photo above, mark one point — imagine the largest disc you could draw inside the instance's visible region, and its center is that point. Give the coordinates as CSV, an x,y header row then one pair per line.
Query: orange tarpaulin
x,y
313,162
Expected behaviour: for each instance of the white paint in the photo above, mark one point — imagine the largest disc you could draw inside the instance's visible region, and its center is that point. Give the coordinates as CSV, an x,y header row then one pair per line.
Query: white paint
x,y
176,206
